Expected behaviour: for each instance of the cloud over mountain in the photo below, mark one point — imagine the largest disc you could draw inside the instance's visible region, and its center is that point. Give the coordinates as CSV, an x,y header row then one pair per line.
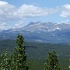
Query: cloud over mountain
x,y
10,14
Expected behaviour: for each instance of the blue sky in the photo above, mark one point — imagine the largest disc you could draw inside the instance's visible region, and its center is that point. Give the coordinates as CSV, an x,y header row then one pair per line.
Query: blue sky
x,y
18,13
44,3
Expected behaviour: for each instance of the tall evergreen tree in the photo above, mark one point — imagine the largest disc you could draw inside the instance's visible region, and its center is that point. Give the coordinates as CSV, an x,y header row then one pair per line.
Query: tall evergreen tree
x,y
52,62
5,61
19,57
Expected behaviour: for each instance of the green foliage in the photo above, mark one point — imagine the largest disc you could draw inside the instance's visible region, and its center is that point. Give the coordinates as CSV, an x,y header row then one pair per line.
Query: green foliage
x,y
37,52
16,61
52,62
19,56
5,61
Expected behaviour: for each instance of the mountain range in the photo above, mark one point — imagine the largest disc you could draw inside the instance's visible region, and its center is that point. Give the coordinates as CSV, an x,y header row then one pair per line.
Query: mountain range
x,y
40,32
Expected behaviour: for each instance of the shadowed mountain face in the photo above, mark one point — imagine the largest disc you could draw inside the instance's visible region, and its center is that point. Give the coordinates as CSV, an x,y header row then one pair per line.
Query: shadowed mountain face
x,y
41,32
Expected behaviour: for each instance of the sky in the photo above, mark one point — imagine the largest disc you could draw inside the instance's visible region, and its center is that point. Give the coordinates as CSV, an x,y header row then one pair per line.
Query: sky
x,y
19,13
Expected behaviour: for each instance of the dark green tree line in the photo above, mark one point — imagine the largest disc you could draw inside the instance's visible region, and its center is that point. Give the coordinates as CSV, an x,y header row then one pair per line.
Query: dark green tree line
x,y
17,60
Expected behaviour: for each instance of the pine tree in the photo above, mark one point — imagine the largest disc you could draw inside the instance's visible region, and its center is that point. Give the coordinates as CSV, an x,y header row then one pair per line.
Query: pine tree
x,y
5,61
52,62
19,56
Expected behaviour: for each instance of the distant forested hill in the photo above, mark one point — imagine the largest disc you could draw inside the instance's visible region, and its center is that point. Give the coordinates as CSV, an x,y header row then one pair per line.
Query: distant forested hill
x,y
37,52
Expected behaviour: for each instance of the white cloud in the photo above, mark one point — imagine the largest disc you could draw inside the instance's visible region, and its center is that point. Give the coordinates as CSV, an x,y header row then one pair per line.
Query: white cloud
x,y
67,6
65,11
6,11
32,11
9,13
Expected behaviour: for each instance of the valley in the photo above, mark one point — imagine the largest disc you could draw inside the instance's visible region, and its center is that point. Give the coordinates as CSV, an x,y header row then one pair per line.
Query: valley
x,y
37,53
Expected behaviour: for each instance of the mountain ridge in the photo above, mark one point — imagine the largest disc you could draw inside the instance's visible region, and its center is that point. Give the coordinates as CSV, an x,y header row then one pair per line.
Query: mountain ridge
x,y
40,32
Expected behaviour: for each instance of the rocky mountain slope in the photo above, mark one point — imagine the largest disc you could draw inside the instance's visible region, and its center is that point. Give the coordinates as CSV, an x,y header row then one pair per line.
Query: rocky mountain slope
x,y
41,32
